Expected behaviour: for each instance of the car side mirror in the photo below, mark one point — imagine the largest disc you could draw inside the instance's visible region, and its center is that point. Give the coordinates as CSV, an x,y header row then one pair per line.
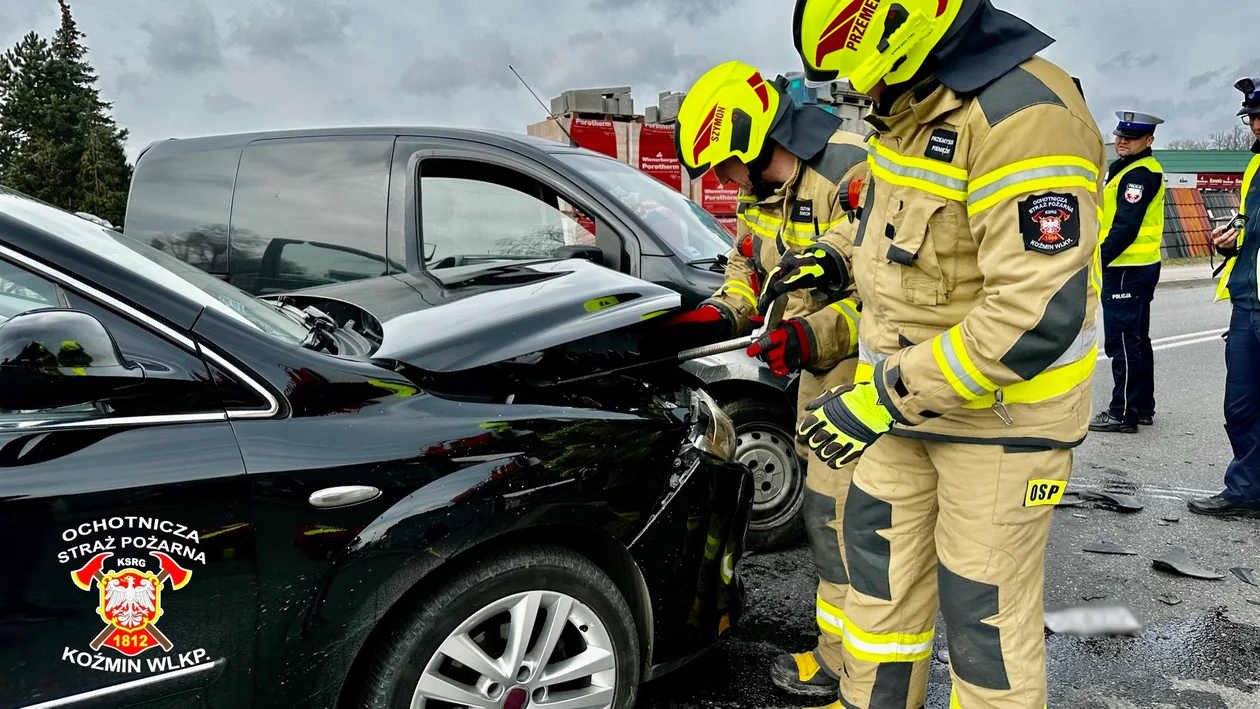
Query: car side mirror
x,y
591,253
53,358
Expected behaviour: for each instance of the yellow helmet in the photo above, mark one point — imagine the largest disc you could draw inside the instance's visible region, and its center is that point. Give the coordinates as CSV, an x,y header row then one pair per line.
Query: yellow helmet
x,y
867,41
730,111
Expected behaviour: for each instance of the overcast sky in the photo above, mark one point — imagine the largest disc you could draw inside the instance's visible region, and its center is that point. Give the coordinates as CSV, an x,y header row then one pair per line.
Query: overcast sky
x,y
191,67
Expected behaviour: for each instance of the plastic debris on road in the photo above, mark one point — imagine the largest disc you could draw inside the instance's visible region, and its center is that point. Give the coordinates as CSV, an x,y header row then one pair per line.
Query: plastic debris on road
x,y
1178,561
1244,575
1114,500
1109,548
1093,621
1171,599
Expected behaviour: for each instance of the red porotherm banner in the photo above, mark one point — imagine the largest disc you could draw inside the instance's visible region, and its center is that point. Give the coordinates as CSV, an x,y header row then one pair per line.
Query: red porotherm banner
x,y
657,156
731,224
599,136
1210,181
716,198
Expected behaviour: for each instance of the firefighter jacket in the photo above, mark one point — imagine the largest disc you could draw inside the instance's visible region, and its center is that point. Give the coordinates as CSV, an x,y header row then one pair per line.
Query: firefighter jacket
x,y
975,259
1132,225
802,211
1240,284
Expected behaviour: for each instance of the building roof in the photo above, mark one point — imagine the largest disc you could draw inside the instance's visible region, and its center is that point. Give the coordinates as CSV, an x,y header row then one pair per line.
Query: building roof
x,y
1196,161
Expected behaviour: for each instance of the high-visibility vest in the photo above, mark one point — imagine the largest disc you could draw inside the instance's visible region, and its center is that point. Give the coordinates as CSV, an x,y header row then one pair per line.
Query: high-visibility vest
x,y
1144,250
1222,288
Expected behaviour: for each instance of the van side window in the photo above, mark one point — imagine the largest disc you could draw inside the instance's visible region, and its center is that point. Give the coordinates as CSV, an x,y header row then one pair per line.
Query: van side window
x,y
474,212
180,204
310,212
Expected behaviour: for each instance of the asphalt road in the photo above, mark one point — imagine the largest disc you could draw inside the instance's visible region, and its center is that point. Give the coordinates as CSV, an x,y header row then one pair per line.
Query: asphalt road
x,y
1201,652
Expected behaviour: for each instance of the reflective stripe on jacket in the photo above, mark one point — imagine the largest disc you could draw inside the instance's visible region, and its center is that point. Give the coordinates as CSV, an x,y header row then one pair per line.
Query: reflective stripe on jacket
x,y
1144,250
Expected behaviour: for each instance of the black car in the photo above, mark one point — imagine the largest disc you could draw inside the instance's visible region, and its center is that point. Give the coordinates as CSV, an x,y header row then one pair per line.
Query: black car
x,y
283,211
207,499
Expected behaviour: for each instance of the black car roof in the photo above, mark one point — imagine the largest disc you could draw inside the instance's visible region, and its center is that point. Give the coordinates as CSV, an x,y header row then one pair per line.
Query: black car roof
x,y
506,139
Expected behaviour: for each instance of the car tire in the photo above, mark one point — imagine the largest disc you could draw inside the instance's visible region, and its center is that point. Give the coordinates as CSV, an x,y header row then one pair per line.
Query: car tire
x,y
480,606
765,445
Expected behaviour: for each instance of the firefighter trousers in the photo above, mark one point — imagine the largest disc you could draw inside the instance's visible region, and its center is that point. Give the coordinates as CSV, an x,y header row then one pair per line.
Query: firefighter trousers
x,y
823,512
959,527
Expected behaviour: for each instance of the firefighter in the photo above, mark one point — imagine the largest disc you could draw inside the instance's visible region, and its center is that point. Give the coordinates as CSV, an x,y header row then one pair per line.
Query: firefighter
x,y
1131,231
1241,496
795,169
975,259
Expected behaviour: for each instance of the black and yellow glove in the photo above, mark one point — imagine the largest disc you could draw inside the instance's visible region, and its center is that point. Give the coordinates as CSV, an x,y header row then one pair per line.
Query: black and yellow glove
x,y
818,266
843,422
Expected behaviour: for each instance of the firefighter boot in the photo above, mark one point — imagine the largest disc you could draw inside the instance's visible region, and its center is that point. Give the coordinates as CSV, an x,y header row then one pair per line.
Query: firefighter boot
x,y
804,676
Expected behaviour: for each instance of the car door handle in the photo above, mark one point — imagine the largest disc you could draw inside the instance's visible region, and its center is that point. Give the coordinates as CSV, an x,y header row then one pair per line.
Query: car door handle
x,y
343,496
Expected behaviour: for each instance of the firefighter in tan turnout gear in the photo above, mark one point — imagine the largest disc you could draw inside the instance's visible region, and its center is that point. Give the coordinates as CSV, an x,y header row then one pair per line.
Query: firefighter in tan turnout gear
x,y
975,262
794,167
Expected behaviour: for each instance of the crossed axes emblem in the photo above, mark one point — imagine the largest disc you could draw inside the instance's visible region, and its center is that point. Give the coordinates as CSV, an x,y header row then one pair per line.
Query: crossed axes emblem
x,y
92,575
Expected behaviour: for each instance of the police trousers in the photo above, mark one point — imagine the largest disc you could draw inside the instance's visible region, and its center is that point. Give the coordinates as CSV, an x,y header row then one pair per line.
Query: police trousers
x,y
955,527
825,493
1126,300
1242,407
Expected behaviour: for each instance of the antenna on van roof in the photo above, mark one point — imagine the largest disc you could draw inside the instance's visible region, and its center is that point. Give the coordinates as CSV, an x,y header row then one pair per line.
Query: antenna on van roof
x,y
572,142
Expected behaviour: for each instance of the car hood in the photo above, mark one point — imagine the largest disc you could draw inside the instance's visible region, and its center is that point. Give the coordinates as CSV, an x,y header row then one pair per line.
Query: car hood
x,y
500,313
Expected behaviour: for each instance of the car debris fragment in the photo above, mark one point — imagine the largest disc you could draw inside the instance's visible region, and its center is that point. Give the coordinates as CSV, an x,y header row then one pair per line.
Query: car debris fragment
x,y
1171,599
1178,561
1114,500
1109,548
1245,575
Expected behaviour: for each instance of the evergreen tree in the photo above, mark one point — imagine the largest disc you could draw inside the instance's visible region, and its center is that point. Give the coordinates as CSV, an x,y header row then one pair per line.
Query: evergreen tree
x,y
58,141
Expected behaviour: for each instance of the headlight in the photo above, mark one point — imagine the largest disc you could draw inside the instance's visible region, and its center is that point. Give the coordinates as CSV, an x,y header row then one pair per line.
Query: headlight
x,y
711,429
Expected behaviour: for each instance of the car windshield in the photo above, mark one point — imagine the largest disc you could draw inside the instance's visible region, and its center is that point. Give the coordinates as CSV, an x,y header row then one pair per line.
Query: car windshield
x,y
690,232
153,265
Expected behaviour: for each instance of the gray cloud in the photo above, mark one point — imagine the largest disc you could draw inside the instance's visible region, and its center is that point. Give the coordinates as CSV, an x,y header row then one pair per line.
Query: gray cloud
x,y
1127,60
448,74
1207,77
224,102
291,29
187,43
692,10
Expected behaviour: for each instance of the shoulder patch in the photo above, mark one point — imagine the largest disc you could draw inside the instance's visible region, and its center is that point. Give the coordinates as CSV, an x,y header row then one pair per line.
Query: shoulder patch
x,y
1049,223
837,159
1013,92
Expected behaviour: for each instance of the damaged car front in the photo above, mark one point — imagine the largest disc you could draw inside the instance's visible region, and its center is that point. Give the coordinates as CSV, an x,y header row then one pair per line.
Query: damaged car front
x,y
384,496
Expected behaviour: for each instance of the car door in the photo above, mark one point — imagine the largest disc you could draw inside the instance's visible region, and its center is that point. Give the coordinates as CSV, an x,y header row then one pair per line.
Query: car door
x,y
476,202
129,571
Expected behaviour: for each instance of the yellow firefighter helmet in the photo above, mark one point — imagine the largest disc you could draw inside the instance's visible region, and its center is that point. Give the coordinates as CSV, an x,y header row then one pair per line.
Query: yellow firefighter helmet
x,y
730,111
866,41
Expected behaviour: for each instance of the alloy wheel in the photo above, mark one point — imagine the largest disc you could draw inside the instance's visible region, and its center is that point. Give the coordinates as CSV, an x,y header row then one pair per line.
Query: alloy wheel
x,y
531,650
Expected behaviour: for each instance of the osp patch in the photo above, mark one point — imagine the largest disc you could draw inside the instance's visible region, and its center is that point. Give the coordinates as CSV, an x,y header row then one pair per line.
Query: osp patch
x,y
1049,223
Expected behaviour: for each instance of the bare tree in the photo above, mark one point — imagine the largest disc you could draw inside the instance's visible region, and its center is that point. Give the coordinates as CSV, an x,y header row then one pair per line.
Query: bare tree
x,y
1237,139
1187,145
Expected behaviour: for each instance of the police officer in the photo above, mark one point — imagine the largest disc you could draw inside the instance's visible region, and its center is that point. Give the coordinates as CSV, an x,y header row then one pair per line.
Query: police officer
x,y
1241,497
1132,230
974,259
794,166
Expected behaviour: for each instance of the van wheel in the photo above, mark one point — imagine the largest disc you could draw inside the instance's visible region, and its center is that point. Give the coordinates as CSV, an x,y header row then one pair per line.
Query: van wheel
x,y
765,445
535,627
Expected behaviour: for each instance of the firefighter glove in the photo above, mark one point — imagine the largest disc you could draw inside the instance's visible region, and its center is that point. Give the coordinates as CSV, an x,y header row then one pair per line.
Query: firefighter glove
x,y
840,424
788,348
705,325
818,266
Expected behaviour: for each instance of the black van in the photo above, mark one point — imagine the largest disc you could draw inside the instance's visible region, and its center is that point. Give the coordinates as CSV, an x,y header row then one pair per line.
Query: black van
x,y
282,211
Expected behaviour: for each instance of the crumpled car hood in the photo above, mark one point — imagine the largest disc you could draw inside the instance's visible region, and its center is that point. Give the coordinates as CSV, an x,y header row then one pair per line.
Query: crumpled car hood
x,y
548,304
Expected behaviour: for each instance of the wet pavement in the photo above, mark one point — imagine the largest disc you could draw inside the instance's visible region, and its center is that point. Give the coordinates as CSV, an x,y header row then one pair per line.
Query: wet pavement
x,y
1199,647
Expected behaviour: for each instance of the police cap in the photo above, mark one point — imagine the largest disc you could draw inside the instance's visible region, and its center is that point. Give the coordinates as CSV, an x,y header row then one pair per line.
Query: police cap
x,y
1135,125
1250,87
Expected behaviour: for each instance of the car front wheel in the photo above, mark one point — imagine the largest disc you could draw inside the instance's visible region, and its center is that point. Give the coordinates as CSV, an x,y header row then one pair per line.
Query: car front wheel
x,y
535,627
766,447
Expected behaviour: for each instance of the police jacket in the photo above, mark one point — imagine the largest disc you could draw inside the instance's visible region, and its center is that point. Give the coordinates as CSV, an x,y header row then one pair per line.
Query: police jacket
x,y
1239,279
975,251
1133,211
796,215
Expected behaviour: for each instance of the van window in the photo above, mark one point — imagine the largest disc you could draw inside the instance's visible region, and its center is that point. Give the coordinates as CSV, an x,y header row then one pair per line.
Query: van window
x,y
479,212
180,203
309,212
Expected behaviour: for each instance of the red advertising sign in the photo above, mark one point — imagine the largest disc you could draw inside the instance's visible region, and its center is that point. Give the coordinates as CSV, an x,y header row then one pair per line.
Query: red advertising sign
x,y
657,156
599,136
1220,181
731,224
716,198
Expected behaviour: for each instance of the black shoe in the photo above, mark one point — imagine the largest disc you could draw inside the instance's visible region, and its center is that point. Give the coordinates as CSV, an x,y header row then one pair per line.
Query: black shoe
x,y
1107,423
1218,506
804,676
1146,420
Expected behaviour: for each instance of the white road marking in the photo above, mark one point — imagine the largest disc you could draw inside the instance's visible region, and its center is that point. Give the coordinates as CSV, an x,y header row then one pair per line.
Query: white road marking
x,y
1190,338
